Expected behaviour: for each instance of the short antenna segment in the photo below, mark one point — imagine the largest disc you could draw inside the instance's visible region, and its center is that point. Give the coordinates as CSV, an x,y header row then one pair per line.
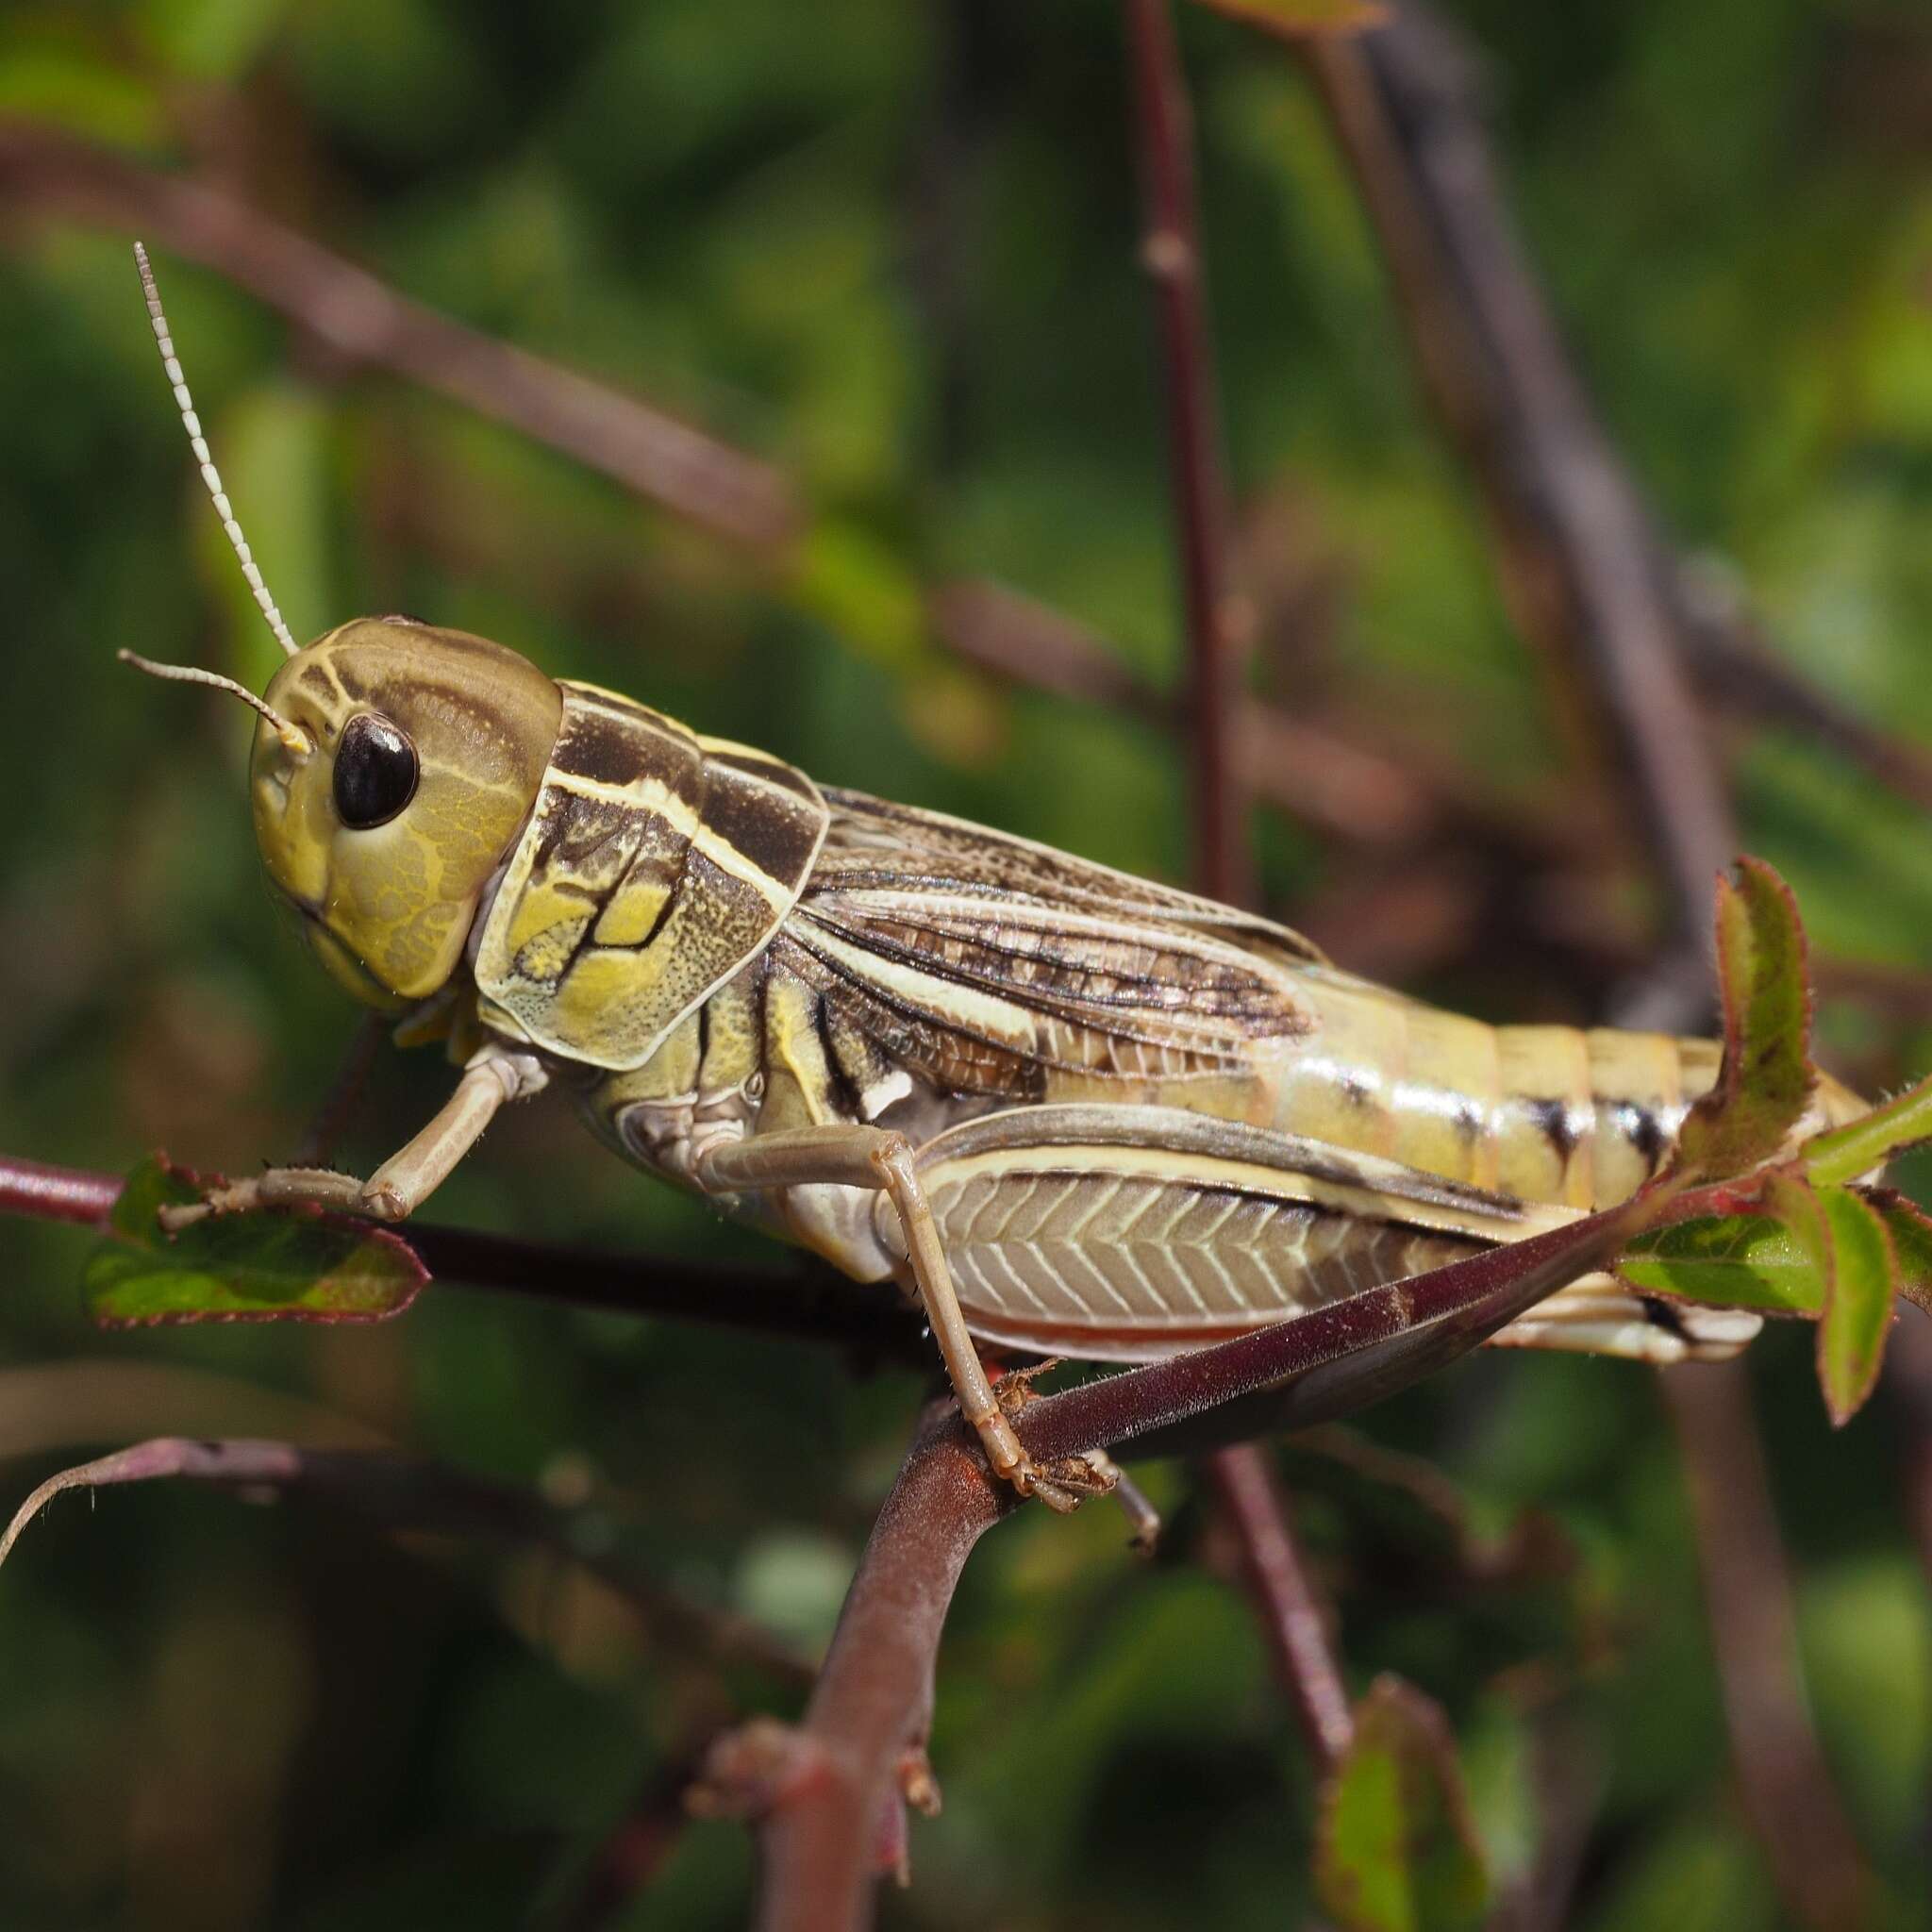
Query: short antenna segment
x,y
209,474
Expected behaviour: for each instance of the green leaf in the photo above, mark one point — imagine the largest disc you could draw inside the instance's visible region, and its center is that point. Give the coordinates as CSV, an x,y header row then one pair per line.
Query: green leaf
x,y
1767,1077
1396,1849
1731,1260
1844,1153
283,1267
1849,1243
1910,1229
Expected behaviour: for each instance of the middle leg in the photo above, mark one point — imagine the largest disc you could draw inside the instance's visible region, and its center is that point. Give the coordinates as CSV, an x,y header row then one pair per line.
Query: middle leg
x,y
863,1156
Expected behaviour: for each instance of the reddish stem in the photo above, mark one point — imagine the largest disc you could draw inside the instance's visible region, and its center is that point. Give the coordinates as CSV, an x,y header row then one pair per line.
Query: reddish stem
x,y
810,1305
1781,1771
41,1192
1170,250
1170,253
1255,1503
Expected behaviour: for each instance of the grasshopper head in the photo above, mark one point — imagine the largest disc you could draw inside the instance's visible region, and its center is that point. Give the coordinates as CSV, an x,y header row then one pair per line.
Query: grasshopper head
x,y
424,750
393,770
393,767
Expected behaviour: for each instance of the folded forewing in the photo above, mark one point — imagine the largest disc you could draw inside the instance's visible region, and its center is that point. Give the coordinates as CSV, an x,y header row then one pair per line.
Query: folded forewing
x,y
873,843
991,995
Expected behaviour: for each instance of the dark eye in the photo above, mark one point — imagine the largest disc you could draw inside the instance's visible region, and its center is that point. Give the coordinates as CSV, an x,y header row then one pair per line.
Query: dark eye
x,y
376,772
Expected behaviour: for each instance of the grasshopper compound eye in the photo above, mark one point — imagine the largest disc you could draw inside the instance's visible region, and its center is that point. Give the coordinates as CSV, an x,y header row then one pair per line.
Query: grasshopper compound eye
x,y
376,772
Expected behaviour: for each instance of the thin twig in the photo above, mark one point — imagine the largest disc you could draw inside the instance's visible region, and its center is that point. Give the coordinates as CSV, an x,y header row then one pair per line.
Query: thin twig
x,y
39,1191
1786,1783
636,1850
1256,1504
1591,582
1216,625
405,1492
45,171
1581,563
1251,1494
1312,1367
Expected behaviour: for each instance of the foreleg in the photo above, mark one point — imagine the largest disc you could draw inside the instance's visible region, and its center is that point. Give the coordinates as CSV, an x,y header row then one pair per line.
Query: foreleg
x,y
407,1178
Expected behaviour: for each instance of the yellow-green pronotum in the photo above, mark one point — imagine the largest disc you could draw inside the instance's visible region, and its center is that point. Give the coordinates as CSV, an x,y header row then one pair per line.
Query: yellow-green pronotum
x,y
1069,1109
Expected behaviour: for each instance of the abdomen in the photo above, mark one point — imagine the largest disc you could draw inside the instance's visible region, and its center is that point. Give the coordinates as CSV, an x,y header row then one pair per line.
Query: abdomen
x,y
1553,1114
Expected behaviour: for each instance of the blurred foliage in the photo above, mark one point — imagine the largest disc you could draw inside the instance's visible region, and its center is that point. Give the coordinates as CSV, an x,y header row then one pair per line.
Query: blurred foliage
x,y
892,248
1398,1850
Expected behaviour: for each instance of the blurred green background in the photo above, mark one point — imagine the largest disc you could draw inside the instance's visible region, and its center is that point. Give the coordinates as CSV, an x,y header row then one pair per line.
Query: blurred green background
x,y
892,248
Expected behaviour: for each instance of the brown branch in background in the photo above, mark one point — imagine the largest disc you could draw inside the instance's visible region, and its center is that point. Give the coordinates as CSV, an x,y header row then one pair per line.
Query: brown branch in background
x,y
1591,583
1255,1506
1742,674
1216,625
1251,1493
406,1493
1786,1783
1342,789
43,171
1345,789
633,1853
808,1305
1581,563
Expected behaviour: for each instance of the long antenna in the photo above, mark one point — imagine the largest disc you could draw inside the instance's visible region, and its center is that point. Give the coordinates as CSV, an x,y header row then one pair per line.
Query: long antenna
x,y
209,474
291,734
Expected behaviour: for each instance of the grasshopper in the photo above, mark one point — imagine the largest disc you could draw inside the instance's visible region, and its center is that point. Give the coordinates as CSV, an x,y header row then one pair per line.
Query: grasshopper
x,y
1068,1109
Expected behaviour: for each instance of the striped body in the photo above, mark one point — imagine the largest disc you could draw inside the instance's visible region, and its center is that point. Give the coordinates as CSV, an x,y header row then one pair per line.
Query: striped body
x,y
1144,1121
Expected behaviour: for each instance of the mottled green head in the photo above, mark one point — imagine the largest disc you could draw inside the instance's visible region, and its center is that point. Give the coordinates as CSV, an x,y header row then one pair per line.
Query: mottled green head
x,y
425,752
393,768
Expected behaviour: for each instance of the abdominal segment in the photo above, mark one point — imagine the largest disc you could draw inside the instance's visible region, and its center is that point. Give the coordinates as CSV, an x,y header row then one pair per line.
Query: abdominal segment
x,y
1576,1117
1556,1114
